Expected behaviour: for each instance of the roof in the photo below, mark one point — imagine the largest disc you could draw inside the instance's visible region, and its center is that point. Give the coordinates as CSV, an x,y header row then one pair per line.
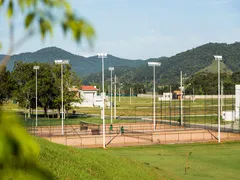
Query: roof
x,y
89,88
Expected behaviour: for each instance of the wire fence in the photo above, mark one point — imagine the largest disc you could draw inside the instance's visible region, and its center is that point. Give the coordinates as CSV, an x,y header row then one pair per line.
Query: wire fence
x,y
199,117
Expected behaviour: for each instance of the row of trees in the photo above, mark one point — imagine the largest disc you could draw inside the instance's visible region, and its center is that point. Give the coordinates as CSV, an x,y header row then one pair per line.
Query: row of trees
x,y
201,83
206,83
20,85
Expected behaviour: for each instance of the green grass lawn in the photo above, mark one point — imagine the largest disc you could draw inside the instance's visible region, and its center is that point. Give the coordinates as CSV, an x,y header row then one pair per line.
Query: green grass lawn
x,y
207,161
199,111
72,163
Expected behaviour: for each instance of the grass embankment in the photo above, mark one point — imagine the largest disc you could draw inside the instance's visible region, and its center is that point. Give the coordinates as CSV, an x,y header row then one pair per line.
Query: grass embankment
x,y
71,163
203,161
206,161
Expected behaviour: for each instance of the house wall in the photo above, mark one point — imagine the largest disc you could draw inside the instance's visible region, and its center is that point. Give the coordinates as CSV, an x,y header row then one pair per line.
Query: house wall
x,y
89,99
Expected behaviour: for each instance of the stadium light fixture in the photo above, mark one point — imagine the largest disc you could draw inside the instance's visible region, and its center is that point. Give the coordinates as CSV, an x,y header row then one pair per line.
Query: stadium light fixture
x,y
102,56
62,62
218,58
154,64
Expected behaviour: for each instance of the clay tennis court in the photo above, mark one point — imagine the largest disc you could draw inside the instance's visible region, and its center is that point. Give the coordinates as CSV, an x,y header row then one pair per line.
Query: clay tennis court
x,y
134,134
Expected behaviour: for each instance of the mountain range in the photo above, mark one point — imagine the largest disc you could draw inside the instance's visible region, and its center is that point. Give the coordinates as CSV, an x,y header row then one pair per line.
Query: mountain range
x,y
81,65
189,62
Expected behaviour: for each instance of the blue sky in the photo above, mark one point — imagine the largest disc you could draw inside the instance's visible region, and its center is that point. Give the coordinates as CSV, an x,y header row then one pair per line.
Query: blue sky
x,y
141,29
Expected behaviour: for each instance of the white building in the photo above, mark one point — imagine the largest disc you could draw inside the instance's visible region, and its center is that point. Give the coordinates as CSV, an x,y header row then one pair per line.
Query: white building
x,y
233,115
89,97
165,97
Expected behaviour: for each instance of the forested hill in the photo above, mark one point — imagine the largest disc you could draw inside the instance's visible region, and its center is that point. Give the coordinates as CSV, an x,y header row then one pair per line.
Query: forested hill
x,y
81,65
189,62
129,71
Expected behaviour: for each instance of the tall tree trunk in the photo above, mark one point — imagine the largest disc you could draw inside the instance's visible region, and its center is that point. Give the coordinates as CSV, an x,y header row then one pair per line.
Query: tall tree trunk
x,y
45,111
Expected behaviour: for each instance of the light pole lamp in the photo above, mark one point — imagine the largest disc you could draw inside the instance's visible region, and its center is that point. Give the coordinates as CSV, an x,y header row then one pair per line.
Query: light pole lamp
x,y
154,64
62,62
111,69
115,94
119,92
102,56
218,58
181,98
36,68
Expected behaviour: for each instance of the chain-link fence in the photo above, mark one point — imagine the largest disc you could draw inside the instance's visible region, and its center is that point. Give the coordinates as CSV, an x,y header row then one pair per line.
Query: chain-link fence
x,y
195,120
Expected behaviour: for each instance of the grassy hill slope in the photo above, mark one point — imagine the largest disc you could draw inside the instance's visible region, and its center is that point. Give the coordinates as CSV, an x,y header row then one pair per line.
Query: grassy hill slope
x,y
213,68
71,163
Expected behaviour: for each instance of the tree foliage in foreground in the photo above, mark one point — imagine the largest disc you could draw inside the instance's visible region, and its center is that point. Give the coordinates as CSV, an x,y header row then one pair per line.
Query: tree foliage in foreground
x,y
18,151
44,14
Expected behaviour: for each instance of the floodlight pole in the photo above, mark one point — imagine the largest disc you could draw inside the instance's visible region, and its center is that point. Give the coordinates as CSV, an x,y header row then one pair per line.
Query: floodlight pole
x,y
219,58
36,68
119,94
62,62
154,92
130,95
154,100
181,99
193,95
115,94
102,56
222,100
111,69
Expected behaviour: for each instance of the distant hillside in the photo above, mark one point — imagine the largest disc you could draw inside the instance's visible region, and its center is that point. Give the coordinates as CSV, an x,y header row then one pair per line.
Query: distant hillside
x,y
213,68
189,62
138,71
81,65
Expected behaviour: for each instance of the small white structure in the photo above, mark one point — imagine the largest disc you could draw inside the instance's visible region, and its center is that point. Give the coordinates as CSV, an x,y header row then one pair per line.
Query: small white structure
x,y
228,115
89,97
233,115
165,97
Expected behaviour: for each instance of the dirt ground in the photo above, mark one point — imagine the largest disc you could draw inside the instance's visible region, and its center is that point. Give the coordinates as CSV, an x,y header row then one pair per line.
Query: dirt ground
x,y
134,134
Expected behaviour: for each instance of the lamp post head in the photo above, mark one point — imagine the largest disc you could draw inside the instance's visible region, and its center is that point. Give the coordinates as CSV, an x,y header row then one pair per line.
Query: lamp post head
x,y
36,67
102,55
61,61
217,57
111,68
154,64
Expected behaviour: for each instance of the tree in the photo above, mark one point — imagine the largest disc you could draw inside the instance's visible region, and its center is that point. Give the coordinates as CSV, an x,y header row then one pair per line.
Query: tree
x,y
49,86
24,92
6,84
69,80
47,90
236,77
